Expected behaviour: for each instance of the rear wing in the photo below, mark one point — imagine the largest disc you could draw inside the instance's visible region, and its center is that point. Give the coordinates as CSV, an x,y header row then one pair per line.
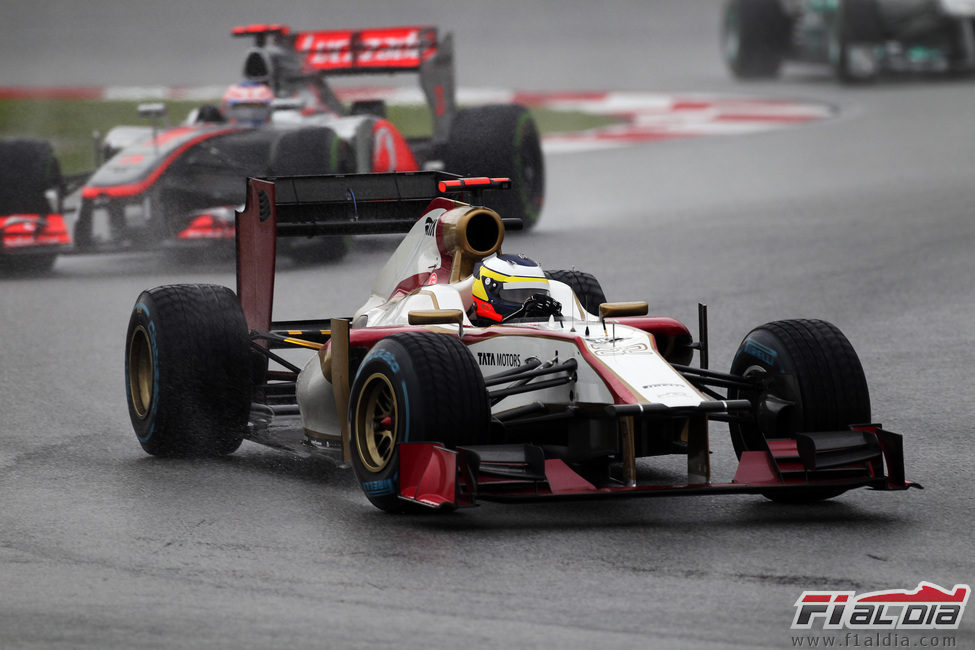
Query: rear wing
x,y
387,49
308,206
280,54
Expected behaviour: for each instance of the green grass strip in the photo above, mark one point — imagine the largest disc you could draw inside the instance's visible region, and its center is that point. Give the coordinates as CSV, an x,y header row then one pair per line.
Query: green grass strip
x,y
74,126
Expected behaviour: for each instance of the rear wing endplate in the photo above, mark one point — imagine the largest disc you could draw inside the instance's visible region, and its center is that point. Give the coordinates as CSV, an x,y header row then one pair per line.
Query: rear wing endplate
x,y
309,206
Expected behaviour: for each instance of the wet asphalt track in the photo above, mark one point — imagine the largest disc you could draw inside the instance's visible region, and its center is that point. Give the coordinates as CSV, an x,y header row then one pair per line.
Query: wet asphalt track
x,y
866,221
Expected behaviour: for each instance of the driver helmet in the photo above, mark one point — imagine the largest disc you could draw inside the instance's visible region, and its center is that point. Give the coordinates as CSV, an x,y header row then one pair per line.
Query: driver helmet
x,y
502,283
248,103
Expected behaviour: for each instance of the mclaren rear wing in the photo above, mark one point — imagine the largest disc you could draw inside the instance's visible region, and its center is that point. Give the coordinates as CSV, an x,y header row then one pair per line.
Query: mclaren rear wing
x,y
376,50
309,206
390,50
355,51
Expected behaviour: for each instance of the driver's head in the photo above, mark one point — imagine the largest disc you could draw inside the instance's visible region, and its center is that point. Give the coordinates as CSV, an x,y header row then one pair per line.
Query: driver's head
x,y
502,284
247,103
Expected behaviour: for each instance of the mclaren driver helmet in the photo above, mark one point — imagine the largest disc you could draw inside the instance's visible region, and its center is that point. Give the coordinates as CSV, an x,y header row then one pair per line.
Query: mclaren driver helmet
x,y
248,103
504,283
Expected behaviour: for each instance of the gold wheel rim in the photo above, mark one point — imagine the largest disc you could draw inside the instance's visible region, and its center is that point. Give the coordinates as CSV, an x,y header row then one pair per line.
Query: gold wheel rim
x,y
141,372
375,423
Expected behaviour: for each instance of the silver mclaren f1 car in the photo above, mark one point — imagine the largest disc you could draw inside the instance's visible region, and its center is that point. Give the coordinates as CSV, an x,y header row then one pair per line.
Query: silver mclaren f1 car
x,y
177,187
470,374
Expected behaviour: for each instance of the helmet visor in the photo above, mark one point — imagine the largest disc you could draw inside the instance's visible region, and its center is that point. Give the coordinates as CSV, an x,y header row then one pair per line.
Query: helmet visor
x,y
252,113
519,292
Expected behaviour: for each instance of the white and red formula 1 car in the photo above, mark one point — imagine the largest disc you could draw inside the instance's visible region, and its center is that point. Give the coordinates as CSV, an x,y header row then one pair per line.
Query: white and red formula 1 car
x,y
436,398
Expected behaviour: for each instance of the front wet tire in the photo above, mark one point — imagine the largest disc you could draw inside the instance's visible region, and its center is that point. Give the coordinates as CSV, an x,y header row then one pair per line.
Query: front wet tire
x,y
412,387
811,379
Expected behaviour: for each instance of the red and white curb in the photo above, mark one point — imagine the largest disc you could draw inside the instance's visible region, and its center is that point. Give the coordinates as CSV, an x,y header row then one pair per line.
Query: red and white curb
x,y
650,117
639,117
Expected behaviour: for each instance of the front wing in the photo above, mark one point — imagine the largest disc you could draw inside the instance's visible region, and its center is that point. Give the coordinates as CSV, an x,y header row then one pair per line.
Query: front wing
x,y
864,456
33,233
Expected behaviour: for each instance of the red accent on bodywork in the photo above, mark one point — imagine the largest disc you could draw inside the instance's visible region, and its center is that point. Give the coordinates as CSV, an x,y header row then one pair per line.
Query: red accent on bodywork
x,y
561,478
785,454
656,325
169,135
783,448
206,226
391,153
366,337
464,182
439,106
133,159
617,387
133,189
250,30
756,468
32,231
409,284
478,181
256,250
428,474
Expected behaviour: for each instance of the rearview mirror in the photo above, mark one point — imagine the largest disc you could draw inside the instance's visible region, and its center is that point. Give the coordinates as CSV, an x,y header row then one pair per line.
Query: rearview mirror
x,y
436,317
611,309
155,109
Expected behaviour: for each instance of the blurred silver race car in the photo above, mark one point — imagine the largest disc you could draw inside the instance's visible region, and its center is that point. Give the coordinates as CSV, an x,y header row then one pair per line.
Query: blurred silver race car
x,y
470,374
177,186
858,39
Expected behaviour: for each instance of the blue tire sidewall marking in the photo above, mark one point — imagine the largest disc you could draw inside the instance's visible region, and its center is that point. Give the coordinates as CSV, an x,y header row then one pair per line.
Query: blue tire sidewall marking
x,y
381,488
387,486
388,357
406,409
760,351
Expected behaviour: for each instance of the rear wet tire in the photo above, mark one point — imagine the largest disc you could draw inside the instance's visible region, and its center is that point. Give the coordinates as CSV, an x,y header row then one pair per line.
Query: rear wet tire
x,y
585,286
188,371
500,141
754,37
305,152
